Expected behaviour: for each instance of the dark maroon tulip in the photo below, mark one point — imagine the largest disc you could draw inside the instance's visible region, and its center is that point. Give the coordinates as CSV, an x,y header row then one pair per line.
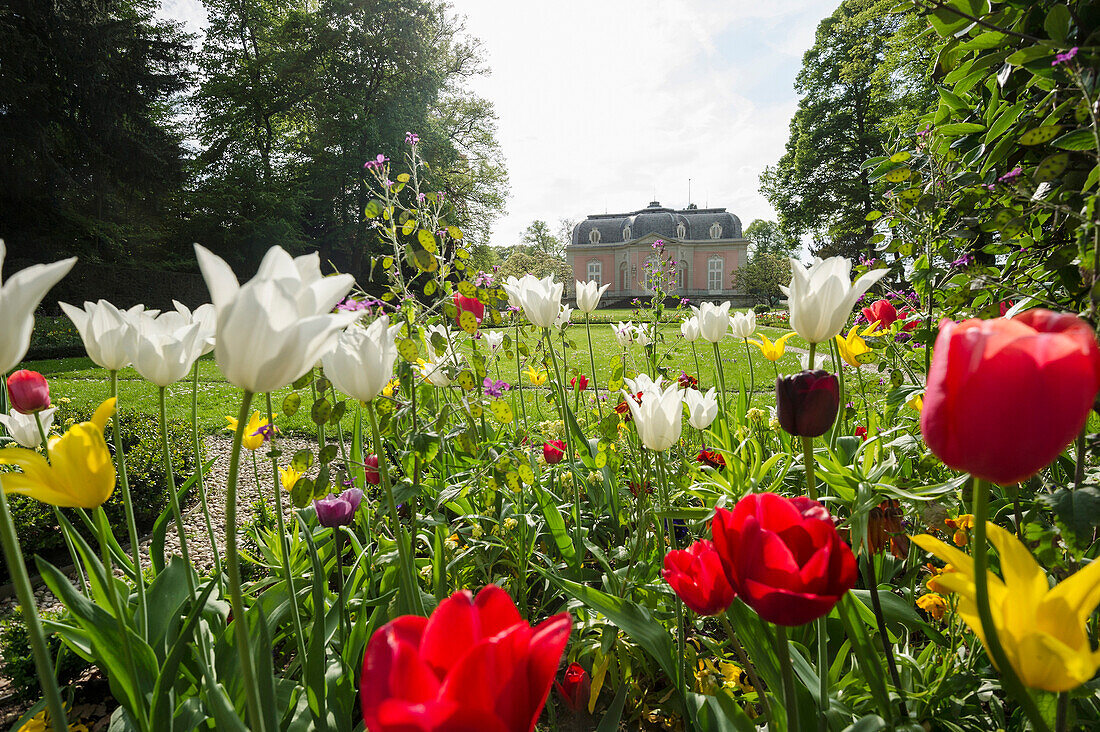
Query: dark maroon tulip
x,y
575,687
807,402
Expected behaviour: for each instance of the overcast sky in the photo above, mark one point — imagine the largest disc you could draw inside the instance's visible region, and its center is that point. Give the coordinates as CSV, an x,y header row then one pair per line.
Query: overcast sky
x,y
604,104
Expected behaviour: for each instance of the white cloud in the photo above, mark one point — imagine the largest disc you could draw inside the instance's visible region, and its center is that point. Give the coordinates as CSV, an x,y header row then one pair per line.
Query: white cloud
x,y
603,104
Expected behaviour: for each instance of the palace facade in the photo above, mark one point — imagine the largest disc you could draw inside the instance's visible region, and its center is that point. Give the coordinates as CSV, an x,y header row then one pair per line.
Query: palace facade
x,y
706,243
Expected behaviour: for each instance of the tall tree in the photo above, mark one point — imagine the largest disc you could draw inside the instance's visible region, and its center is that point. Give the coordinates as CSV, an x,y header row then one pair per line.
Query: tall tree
x,y
768,237
90,161
539,239
867,71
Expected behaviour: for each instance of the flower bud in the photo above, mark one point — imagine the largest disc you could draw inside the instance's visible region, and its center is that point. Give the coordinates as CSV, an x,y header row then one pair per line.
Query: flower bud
x,y
333,511
807,402
553,451
29,391
370,470
575,687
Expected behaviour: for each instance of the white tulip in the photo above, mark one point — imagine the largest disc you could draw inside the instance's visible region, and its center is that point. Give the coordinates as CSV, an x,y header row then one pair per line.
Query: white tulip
x,y
702,408
494,339
659,417
204,315
19,298
690,329
641,335
24,430
541,299
276,326
743,325
165,347
106,332
642,383
624,333
714,320
563,316
438,370
514,287
588,295
445,337
821,297
362,363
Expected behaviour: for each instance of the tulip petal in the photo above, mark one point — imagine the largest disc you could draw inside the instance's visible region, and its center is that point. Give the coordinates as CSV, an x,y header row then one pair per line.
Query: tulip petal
x,y
496,611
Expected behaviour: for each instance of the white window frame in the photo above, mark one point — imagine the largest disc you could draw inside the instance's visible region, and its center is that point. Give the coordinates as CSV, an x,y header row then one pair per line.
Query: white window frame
x,y
595,271
714,273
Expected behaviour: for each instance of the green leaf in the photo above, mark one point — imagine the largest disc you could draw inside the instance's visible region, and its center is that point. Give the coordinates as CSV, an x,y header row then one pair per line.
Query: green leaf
x,y
302,460
373,209
1082,139
1051,167
291,403
321,411
614,713
555,522
1076,511
1056,24
427,240
1004,120
957,129
1040,135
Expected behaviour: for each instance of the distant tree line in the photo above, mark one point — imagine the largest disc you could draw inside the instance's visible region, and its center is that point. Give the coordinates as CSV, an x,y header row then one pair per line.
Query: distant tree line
x,y
124,139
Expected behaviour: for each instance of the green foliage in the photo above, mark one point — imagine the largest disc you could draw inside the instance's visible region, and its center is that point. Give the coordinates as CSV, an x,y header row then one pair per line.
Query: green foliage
x,y
539,264
17,662
762,275
865,72
768,237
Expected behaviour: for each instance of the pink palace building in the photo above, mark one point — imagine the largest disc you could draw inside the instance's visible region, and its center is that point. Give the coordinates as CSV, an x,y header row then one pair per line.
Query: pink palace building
x,y
705,242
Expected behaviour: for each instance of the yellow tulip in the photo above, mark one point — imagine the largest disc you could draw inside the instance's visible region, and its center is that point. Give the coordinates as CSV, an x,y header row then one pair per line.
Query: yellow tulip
x,y
538,378
853,347
916,403
288,476
1041,628
253,438
772,351
80,472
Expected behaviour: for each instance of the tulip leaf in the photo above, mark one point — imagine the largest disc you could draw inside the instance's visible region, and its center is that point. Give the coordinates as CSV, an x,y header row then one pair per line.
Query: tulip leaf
x,y
614,713
291,403
555,522
1076,512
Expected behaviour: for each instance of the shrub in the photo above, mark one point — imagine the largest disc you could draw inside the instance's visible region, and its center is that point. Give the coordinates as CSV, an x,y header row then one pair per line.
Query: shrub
x,y
761,309
35,523
17,661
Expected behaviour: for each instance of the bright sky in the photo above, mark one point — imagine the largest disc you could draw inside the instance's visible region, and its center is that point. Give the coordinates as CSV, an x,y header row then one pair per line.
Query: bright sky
x,y
604,104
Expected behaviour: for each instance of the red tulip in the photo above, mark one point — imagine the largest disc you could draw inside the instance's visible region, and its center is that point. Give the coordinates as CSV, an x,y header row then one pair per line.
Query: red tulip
x,y
553,451
883,312
474,666
575,687
697,576
861,432
29,391
807,402
370,470
470,305
1005,397
783,557
579,382
911,319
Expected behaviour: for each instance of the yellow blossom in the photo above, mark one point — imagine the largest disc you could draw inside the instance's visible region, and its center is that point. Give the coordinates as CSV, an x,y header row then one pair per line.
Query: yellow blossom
x,y
80,472
854,349
1041,628
711,676
253,438
391,388
916,403
41,723
962,526
538,378
933,604
288,476
773,351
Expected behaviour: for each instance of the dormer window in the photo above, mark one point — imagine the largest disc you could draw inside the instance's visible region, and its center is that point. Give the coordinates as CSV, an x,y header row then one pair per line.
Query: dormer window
x,y
594,236
626,233
681,231
716,230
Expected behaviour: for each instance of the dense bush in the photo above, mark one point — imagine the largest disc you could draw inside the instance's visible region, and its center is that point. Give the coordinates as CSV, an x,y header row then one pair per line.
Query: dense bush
x,y
54,337
35,523
17,662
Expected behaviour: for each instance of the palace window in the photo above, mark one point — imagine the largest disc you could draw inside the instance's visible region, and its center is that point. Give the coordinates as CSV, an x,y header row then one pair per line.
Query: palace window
x,y
595,270
715,273
594,237
716,230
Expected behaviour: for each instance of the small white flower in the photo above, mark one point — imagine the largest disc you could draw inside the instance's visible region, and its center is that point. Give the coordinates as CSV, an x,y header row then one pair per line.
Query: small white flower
x,y
494,339
24,430
624,333
743,325
588,295
690,329
702,408
714,320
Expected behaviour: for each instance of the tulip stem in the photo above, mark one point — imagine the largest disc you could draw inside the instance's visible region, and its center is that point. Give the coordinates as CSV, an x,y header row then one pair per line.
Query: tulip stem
x,y
519,377
233,568
592,363
876,604
18,571
201,480
564,407
790,699
175,502
746,663
721,382
57,512
822,675
127,502
695,353
808,461
1009,680
405,572
284,539
752,373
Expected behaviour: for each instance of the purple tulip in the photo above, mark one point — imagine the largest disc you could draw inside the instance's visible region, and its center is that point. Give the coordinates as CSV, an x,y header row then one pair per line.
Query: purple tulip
x,y
333,511
807,402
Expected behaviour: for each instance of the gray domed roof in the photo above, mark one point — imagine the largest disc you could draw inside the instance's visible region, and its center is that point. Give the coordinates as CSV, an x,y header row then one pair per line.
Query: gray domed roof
x,y
659,220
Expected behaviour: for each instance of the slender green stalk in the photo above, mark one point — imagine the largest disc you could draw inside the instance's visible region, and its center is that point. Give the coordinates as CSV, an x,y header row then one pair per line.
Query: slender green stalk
x,y
23,592
127,502
338,549
172,497
563,406
1009,680
752,373
233,568
822,675
405,571
808,462
519,378
841,423
666,508
880,617
695,354
201,480
790,698
592,363
866,404
721,381
750,669
284,540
